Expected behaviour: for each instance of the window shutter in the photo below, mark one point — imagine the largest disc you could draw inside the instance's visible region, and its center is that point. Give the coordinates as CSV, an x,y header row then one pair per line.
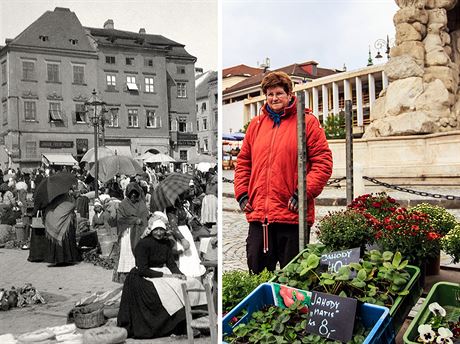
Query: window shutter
x,y
74,117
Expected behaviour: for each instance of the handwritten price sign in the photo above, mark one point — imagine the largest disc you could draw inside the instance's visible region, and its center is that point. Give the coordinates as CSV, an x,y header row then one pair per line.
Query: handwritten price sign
x,y
332,316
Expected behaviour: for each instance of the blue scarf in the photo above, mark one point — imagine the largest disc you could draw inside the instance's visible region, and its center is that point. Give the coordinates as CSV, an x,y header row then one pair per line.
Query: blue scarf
x,y
276,117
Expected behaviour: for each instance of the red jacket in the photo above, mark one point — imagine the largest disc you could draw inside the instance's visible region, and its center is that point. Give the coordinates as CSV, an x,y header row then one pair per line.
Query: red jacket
x,y
267,166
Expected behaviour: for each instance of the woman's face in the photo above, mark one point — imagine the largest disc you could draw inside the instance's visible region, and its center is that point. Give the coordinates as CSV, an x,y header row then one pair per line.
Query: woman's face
x,y
134,196
277,98
159,233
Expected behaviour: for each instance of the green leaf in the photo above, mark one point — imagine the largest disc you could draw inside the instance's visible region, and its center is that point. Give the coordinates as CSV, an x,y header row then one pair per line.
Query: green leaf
x,y
358,283
355,266
387,255
278,327
327,282
397,259
313,261
403,293
403,264
343,294
388,265
362,274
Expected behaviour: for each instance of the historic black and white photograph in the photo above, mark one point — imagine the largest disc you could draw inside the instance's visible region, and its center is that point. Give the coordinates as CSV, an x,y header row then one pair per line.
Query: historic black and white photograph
x,y
108,171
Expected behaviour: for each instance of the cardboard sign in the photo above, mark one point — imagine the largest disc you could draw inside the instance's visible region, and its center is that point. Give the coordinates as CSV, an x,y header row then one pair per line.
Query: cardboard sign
x,y
332,316
333,261
285,296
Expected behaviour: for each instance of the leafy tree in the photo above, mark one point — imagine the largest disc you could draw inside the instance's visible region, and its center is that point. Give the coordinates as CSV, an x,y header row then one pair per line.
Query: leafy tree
x,y
334,127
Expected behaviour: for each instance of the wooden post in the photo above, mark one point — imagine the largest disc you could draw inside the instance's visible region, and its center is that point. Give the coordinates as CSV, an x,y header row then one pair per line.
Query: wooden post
x,y
304,232
349,149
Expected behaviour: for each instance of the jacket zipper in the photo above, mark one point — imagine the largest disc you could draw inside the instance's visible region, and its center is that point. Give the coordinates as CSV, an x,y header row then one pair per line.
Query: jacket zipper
x,y
266,223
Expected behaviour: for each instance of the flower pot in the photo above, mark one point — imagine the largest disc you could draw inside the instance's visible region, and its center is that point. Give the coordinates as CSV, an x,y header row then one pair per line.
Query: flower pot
x,y
433,265
443,293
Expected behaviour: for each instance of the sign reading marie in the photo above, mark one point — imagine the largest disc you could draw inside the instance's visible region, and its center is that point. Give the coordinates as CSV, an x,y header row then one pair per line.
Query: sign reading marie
x,y
56,144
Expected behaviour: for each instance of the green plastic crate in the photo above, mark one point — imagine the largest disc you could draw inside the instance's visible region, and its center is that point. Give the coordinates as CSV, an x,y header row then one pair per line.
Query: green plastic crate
x,y
402,304
442,293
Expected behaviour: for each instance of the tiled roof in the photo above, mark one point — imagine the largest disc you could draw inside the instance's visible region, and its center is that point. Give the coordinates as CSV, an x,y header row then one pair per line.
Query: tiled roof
x,y
203,87
292,70
126,38
241,70
55,29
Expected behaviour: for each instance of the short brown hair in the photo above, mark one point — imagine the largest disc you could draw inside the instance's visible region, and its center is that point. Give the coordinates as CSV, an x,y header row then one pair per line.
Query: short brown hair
x,y
275,79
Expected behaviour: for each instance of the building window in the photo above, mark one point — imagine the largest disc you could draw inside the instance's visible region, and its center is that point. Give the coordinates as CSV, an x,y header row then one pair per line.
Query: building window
x,y
180,69
181,90
73,41
190,127
197,125
205,124
131,83
113,118
173,125
31,149
30,111
78,75
110,59
80,113
215,98
148,62
182,127
111,80
5,113
153,120
43,38
28,70
205,145
4,79
133,118
149,88
203,107
53,72
183,155
55,112
130,61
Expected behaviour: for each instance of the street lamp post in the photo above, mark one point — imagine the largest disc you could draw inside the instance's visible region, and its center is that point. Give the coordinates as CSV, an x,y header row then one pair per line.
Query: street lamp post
x,y
93,102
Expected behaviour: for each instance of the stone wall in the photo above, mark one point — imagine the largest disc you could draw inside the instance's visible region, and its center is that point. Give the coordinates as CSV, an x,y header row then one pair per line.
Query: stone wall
x,y
414,159
423,70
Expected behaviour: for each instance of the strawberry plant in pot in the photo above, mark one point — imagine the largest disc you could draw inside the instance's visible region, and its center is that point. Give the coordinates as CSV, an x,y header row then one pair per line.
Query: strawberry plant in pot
x,y
379,278
272,324
345,229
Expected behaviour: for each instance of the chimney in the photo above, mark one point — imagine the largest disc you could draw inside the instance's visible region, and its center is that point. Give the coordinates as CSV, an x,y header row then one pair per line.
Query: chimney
x,y
108,24
142,31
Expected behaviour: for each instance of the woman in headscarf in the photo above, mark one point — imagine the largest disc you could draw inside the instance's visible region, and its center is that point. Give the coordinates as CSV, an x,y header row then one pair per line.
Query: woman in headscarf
x,y
132,218
149,308
60,227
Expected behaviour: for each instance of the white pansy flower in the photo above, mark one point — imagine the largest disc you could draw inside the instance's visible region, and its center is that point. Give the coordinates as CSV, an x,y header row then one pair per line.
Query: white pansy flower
x,y
427,335
445,336
436,309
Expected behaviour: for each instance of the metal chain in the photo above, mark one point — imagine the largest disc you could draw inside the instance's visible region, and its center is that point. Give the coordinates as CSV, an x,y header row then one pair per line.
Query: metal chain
x,y
414,192
336,180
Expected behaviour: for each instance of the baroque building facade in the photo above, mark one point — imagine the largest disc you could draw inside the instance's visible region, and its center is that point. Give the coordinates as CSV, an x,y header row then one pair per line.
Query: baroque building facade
x,y
50,69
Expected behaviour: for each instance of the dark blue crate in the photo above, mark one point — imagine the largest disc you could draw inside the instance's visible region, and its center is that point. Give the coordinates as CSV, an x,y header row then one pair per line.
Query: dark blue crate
x,y
372,316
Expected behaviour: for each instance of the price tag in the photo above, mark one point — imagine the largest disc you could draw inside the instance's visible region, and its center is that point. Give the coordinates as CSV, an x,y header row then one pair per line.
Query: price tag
x,y
332,316
333,261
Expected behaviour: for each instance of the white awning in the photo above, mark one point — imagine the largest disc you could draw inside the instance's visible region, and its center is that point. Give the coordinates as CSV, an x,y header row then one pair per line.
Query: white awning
x,y
131,86
121,150
64,159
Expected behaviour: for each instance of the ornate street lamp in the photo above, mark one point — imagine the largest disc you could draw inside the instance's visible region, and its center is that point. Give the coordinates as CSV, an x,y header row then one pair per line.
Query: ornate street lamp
x,y
95,117
380,44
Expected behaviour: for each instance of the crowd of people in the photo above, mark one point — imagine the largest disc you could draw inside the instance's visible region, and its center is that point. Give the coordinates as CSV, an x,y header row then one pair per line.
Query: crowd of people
x,y
155,241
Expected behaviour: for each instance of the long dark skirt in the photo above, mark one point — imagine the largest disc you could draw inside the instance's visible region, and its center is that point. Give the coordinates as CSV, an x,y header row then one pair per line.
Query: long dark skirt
x,y
67,253
142,313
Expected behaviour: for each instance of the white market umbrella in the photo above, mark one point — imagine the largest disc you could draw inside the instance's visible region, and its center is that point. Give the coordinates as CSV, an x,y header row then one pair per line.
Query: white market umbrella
x,y
102,152
159,158
205,166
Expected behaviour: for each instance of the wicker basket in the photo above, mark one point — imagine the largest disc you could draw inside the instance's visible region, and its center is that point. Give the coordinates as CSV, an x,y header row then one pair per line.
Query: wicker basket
x,y
89,320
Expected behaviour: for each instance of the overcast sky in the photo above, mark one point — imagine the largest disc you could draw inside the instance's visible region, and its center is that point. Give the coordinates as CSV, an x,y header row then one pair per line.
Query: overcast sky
x,y
190,22
331,32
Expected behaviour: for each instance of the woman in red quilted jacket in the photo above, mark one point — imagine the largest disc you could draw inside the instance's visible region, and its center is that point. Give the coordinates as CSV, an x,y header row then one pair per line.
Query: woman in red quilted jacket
x,y
266,175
